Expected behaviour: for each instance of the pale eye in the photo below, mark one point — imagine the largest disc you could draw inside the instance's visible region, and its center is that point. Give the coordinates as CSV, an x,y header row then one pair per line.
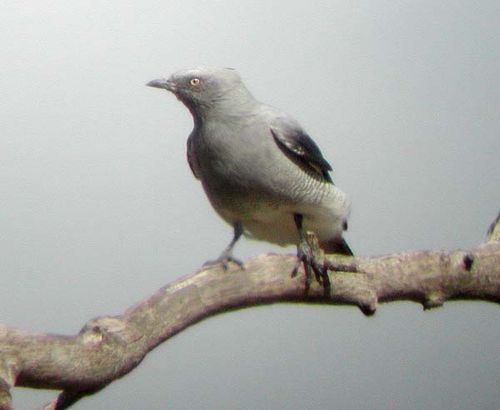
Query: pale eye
x,y
194,82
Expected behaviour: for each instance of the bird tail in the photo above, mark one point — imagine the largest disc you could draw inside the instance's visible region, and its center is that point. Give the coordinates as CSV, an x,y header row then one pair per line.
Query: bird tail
x,y
336,245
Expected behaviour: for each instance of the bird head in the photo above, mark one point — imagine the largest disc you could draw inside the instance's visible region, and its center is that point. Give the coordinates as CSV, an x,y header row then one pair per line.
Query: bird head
x,y
203,88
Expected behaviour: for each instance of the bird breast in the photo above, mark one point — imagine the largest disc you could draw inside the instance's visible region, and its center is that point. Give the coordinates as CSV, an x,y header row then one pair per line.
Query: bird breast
x,y
242,168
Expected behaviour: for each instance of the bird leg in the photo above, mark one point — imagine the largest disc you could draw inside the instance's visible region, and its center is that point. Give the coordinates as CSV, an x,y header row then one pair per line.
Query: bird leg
x,y
227,254
309,254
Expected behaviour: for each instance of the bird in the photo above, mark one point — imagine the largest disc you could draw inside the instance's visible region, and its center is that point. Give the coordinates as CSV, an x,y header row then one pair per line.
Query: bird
x,y
261,171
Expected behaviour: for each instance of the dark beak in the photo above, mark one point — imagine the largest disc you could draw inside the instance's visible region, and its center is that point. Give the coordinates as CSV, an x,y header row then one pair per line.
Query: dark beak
x,y
163,83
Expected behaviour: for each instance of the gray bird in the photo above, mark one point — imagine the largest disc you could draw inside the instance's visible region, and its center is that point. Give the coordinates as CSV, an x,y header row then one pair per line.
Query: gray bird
x,y
260,170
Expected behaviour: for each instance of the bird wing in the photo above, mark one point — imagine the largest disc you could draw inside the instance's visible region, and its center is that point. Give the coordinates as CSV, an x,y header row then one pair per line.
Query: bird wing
x,y
191,157
295,142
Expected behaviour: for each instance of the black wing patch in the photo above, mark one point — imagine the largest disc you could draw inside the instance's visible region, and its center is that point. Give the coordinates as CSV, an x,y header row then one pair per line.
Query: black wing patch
x,y
302,148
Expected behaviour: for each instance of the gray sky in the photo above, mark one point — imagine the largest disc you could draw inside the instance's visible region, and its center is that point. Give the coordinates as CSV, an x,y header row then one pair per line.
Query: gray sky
x,y
98,207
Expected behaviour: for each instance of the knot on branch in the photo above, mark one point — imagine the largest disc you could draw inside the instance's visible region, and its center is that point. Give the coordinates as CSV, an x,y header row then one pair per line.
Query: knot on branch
x,y
369,306
434,299
107,328
467,261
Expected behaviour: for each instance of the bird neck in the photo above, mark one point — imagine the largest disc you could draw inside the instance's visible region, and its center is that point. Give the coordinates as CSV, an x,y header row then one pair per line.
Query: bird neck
x,y
236,102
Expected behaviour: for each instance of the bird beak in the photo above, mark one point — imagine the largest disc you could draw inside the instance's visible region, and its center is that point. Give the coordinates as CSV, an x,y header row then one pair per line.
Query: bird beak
x,y
163,83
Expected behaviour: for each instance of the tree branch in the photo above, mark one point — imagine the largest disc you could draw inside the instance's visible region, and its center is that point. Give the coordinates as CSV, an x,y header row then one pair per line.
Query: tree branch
x,y
109,347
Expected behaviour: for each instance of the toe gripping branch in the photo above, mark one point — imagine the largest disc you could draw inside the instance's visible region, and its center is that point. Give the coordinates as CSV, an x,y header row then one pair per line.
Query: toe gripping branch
x,y
310,255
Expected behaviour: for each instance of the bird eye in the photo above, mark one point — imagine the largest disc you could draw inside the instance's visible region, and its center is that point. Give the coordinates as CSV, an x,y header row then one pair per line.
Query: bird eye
x,y
194,82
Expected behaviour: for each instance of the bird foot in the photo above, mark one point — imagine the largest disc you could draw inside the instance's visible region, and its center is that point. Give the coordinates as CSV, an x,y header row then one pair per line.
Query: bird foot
x,y
310,255
224,259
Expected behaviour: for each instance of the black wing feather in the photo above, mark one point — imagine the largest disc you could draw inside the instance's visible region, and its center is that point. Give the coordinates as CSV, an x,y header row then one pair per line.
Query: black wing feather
x,y
302,148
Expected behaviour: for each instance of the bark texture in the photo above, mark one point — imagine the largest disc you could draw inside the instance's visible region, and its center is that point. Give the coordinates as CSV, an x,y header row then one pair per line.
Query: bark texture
x,y
111,346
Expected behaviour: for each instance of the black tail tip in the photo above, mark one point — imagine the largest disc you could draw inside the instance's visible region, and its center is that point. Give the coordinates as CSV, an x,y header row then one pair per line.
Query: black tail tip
x,y
337,245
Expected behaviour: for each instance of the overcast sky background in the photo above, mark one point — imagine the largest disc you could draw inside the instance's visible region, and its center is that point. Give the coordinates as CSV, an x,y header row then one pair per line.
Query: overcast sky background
x,y
98,207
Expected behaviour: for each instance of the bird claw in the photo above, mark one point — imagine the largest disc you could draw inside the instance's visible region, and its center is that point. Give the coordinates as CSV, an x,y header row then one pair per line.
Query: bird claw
x,y
309,255
224,259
